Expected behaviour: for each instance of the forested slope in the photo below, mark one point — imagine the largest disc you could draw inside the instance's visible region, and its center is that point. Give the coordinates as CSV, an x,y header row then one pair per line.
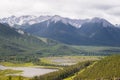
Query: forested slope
x,y
108,68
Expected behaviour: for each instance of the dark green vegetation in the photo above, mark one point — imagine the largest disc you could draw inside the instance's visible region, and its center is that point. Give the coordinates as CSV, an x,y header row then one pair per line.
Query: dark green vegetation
x,y
65,72
108,68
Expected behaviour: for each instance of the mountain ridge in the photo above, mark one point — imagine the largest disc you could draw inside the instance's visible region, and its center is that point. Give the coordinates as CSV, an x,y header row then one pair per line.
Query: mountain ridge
x,y
90,33
30,19
95,31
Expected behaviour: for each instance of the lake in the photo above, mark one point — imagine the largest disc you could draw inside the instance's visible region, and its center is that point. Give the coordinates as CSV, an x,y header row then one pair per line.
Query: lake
x,y
29,71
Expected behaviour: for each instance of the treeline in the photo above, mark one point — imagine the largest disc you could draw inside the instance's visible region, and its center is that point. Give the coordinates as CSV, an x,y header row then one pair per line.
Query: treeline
x,y
96,53
105,69
63,73
19,59
26,59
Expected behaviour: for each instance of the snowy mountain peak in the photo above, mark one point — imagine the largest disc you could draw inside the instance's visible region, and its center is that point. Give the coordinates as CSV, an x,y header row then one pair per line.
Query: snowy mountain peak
x,y
57,18
74,22
30,20
97,20
12,16
26,19
104,22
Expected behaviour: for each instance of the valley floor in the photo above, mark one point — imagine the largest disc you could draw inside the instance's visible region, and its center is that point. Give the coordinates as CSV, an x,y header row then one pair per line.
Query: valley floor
x,y
54,63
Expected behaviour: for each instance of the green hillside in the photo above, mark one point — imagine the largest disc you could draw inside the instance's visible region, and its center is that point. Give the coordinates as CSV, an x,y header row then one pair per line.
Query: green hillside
x,y
14,45
108,69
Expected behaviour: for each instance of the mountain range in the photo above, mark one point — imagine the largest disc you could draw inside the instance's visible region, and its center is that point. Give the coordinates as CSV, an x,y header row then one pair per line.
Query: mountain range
x,y
30,19
95,31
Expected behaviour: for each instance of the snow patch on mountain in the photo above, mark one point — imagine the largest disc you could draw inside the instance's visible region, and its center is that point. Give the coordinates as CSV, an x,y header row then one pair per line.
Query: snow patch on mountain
x,y
20,31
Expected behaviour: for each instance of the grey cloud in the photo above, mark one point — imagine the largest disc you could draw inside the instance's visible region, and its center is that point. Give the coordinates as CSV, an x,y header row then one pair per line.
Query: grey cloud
x,y
114,11
103,7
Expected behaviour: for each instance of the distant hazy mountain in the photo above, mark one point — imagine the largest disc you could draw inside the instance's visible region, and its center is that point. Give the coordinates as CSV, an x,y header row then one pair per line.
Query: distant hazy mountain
x,y
96,31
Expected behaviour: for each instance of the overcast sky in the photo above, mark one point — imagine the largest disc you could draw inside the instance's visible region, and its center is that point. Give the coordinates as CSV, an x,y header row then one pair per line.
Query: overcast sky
x,y
108,9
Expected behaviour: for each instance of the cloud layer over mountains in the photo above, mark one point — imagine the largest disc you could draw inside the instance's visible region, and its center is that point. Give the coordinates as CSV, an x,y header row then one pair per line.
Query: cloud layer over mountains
x,y
108,9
